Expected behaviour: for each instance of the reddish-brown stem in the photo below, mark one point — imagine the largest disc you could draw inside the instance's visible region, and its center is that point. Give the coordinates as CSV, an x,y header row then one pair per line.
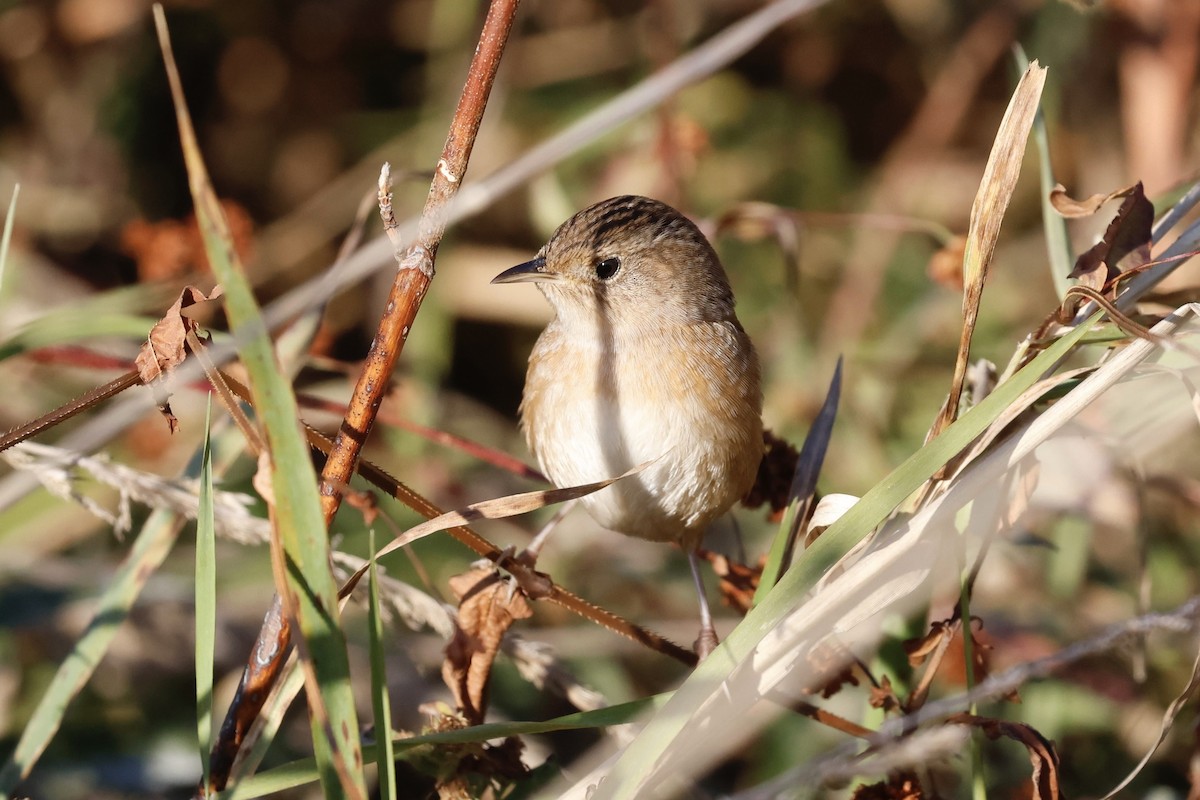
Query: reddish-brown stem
x,y
416,265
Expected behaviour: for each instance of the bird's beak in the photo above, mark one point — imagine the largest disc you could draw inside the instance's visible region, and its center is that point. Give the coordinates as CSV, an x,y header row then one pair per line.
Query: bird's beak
x,y
529,272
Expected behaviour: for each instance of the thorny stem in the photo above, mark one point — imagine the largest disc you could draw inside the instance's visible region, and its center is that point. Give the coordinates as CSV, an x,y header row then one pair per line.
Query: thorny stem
x,y
65,412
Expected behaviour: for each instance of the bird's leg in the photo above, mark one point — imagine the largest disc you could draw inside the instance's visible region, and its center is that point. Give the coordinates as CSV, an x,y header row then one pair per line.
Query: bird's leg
x,y
531,552
707,641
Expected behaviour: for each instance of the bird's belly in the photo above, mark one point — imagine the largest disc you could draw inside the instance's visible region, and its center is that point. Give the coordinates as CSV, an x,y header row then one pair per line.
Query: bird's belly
x,y
603,442
695,467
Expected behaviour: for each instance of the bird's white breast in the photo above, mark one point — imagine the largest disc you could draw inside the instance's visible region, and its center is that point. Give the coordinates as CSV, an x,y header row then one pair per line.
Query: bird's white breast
x,y
684,400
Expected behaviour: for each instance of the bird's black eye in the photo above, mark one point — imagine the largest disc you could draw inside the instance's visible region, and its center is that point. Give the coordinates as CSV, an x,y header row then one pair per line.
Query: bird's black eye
x,y
607,268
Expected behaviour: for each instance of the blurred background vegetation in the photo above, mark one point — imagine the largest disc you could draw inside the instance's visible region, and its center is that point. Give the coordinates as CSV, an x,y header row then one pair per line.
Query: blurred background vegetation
x,y
865,126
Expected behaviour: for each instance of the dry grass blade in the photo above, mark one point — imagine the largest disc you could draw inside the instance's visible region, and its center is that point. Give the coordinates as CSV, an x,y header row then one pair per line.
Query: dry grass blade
x,y
987,213
499,508
1168,722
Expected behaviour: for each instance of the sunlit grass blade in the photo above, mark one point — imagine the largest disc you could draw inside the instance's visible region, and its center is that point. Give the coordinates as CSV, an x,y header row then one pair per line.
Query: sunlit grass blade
x,y
206,599
310,591
384,756
152,545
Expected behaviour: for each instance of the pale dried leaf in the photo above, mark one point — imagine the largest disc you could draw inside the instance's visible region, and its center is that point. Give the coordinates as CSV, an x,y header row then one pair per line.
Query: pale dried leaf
x,y
499,508
987,213
1070,208
165,348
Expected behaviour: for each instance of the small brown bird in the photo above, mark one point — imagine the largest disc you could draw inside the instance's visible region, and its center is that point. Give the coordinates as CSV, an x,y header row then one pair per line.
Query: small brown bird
x,y
645,361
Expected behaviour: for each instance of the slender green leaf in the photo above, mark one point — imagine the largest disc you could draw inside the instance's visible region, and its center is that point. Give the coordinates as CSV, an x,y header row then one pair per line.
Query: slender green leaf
x,y
1058,242
385,756
65,327
298,516
206,598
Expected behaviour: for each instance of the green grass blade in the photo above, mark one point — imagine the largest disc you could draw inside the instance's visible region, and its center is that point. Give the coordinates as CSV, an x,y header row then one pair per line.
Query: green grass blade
x,y
298,516
385,756
1058,242
304,771
206,599
63,327
638,760
152,545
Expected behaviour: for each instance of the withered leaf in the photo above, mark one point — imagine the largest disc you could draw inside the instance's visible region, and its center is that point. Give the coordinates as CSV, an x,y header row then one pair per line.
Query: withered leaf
x,y
1045,782
835,667
487,608
164,348
884,696
1126,242
920,648
1070,208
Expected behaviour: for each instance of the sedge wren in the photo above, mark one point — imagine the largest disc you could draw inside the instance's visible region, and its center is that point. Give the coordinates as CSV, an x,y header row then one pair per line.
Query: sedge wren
x,y
645,361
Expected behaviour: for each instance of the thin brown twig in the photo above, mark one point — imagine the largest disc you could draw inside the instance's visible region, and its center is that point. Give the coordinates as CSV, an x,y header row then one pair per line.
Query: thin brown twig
x,y
216,379
70,409
832,720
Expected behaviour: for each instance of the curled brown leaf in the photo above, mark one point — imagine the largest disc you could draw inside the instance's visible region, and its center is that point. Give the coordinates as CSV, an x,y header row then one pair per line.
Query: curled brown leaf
x,y
1071,208
1045,780
165,347
488,606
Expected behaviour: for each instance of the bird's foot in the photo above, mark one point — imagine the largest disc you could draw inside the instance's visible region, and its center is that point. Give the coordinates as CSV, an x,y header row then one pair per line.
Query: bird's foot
x,y
706,642
519,566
